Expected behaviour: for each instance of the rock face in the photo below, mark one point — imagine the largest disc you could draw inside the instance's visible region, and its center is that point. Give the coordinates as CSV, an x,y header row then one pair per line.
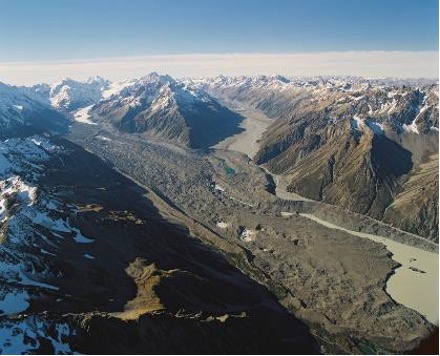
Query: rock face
x,y
365,145
24,111
162,108
415,207
69,95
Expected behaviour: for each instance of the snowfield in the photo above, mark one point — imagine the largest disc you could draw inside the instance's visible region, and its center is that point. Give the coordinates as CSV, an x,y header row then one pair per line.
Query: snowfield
x,y
82,115
25,336
29,220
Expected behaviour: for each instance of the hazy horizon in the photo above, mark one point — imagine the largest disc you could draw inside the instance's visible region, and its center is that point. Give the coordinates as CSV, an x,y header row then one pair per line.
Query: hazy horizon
x,y
369,64
394,38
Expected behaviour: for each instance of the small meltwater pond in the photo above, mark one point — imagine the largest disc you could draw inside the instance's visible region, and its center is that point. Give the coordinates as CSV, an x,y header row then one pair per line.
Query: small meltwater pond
x,y
416,283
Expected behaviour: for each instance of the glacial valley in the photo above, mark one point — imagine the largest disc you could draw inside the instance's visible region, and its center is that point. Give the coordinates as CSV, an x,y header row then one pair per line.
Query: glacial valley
x,y
219,215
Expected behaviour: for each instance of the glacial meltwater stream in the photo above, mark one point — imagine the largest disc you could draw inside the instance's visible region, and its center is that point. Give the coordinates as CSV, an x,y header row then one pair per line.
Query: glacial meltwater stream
x,y
415,284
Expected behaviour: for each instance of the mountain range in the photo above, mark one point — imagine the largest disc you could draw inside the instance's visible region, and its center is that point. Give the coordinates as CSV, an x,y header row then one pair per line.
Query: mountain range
x,y
131,224
368,145
352,142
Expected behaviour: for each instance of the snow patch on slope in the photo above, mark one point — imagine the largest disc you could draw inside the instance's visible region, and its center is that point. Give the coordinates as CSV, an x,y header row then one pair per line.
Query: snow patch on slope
x,y
25,336
412,127
14,302
116,88
357,123
376,127
82,115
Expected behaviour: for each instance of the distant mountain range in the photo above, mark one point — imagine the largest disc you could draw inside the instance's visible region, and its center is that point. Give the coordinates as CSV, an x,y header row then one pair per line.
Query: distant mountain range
x,y
368,145
156,106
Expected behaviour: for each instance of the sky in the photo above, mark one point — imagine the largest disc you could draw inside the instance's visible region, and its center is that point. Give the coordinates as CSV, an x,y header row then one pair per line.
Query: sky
x,y
43,40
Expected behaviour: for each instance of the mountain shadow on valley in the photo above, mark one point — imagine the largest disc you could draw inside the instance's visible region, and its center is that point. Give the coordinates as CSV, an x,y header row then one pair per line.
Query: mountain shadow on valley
x,y
390,159
32,122
209,127
152,287
200,127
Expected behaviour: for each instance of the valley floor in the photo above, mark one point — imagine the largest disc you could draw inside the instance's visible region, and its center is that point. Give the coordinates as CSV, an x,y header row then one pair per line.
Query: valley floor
x,y
254,125
419,268
333,281
415,283
139,220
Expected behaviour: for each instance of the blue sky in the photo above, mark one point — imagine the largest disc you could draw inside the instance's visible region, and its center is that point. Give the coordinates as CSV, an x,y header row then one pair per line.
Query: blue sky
x,y
66,30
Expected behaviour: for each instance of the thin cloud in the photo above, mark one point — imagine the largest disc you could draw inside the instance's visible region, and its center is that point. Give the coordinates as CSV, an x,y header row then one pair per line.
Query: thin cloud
x,y
401,64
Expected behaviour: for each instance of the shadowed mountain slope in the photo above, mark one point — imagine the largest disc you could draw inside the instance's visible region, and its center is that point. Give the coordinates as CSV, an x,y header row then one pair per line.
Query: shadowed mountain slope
x,y
352,142
102,261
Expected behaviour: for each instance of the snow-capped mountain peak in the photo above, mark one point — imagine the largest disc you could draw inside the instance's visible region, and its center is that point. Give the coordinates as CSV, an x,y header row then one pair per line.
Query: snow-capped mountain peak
x,y
69,95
